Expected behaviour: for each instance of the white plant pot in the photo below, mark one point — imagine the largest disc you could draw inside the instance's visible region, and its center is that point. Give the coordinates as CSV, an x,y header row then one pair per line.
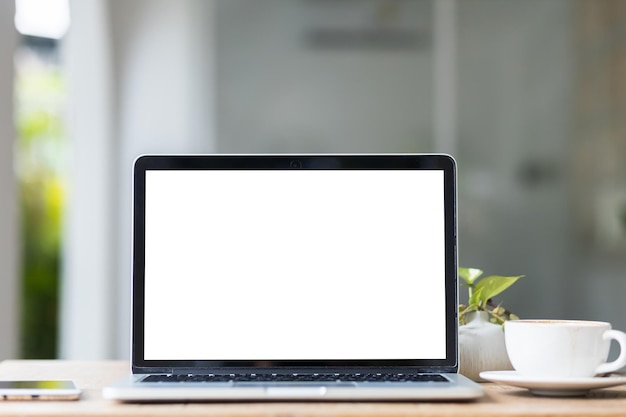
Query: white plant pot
x,y
481,346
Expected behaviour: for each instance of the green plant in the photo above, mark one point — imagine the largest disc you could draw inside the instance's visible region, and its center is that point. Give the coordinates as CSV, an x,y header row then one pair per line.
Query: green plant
x,y
39,154
481,292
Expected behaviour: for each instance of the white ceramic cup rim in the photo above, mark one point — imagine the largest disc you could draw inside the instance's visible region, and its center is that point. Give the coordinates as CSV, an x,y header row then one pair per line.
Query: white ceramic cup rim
x,y
550,322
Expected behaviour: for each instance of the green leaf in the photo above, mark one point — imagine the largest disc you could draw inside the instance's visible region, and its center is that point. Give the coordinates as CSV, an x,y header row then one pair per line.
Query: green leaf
x,y
491,286
476,297
469,275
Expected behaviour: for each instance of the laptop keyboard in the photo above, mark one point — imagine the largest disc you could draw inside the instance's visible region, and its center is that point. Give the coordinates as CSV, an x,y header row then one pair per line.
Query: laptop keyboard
x,y
331,377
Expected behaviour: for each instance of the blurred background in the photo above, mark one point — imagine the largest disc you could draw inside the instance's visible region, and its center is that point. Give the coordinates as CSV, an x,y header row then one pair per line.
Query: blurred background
x,y
529,96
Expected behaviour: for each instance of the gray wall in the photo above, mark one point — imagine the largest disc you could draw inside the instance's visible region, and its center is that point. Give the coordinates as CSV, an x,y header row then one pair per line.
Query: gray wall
x,y
517,74
279,93
515,82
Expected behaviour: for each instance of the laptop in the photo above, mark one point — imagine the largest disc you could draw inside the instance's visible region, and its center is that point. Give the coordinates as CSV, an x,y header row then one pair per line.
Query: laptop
x,y
294,277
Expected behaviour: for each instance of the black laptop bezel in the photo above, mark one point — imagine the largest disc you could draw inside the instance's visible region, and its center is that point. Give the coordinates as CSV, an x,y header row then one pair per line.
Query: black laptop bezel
x,y
290,162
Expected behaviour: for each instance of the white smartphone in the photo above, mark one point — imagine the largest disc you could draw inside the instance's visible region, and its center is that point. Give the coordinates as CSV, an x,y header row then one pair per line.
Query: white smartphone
x,y
50,390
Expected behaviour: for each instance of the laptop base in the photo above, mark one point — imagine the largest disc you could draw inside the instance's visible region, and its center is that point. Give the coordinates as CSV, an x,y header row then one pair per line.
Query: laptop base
x,y
130,389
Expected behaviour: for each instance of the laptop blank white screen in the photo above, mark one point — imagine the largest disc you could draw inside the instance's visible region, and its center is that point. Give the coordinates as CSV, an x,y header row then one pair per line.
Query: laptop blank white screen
x,y
294,265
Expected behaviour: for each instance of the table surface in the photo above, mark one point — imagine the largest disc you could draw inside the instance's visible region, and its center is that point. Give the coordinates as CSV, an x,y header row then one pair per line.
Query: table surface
x,y
92,376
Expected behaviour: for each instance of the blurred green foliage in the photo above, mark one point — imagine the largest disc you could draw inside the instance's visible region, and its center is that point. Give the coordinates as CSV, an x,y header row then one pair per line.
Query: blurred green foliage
x,y
40,93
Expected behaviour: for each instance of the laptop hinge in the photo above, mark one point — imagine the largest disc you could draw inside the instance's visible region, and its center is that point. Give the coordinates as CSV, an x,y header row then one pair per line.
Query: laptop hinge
x,y
408,370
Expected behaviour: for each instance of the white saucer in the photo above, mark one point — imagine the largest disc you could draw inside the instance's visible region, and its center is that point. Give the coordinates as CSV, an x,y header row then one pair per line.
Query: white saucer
x,y
553,387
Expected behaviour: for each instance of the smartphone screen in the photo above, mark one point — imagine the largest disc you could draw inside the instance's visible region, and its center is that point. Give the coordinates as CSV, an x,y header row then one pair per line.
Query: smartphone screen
x,y
45,385
39,390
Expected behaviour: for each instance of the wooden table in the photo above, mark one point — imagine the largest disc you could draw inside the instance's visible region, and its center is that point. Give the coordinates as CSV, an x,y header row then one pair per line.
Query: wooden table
x,y
92,376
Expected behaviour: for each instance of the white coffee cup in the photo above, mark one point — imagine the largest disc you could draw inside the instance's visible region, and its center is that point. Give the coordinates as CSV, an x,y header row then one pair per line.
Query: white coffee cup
x,y
562,348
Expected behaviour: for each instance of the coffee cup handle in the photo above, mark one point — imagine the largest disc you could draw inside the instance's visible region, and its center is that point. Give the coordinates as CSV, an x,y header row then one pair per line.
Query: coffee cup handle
x,y
619,337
